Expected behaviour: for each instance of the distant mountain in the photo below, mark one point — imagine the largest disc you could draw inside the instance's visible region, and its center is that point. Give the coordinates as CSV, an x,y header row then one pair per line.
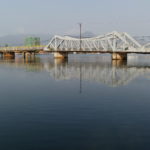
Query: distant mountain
x,y
86,34
18,40
142,39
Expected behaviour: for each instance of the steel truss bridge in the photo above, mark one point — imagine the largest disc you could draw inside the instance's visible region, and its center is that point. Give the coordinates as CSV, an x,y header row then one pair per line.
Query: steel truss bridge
x,y
107,43
119,44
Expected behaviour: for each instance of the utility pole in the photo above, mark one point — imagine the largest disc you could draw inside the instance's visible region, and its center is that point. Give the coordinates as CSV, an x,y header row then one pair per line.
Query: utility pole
x,y
80,25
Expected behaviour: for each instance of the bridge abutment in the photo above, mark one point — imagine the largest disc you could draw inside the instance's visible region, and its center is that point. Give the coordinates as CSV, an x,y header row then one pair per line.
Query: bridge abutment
x,y
61,55
119,56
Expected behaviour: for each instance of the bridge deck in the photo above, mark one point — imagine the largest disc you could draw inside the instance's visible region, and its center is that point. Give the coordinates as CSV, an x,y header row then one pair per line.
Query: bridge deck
x,y
22,49
37,49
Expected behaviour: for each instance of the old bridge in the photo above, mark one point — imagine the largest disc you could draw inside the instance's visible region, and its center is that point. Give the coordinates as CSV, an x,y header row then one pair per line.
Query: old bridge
x,y
116,43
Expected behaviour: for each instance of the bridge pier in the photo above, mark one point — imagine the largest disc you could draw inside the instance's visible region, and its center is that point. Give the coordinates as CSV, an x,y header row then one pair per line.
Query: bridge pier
x,y
10,55
28,55
119,56
61,55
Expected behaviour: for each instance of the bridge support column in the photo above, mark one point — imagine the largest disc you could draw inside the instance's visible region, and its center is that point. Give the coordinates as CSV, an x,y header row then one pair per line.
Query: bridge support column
x,y
27,54
9,55
119,56
61,55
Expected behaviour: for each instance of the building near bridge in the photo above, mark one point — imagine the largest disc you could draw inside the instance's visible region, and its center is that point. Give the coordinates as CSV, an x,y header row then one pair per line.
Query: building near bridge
x,y
32,41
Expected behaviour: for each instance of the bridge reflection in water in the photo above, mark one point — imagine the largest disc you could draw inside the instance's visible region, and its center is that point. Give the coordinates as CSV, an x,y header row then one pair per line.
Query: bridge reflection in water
x,y
114,73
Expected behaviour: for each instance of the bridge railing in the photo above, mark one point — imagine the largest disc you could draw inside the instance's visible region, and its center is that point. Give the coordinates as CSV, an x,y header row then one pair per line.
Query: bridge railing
x,y
19,48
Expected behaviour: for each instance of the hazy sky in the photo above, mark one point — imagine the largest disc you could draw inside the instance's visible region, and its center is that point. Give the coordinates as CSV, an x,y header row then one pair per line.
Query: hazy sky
x,y
63,16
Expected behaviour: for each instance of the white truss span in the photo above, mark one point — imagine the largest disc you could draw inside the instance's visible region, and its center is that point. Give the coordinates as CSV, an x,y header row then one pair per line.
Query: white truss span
x,y
111,42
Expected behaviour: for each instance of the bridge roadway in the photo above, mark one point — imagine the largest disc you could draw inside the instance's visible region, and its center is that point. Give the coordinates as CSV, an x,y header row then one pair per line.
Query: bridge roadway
x,y
62,54
25,50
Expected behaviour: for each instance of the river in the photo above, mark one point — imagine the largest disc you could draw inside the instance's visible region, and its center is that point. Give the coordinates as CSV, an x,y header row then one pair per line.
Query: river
x,y
87,102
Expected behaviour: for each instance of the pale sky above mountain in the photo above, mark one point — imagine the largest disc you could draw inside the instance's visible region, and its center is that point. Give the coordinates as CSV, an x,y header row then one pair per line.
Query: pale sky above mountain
x,y
63,16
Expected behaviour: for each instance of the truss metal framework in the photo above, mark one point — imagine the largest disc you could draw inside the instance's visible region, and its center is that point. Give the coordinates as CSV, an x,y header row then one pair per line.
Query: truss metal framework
x,y
114,41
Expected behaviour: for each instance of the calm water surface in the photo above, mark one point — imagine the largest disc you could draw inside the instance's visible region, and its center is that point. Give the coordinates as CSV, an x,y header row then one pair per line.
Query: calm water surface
x,y
85,103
